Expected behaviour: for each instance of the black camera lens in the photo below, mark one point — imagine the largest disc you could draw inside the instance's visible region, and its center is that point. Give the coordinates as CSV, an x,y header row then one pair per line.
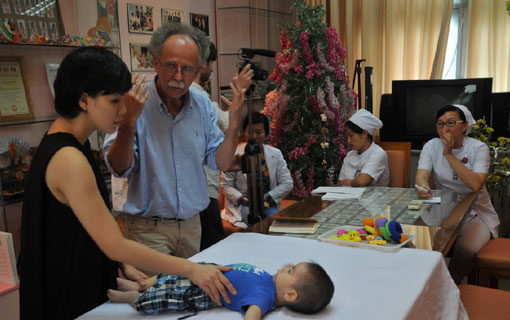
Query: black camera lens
x,y
258,73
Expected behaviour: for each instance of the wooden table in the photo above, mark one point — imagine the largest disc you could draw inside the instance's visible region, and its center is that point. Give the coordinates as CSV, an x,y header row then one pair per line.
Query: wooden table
x,y
435,226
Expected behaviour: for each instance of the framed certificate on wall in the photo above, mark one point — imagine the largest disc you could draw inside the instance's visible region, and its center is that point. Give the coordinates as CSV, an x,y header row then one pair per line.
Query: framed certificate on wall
x,y
15,101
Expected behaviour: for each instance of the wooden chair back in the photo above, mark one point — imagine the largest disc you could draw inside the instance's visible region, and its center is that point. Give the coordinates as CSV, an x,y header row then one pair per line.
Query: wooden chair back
x,y
399,162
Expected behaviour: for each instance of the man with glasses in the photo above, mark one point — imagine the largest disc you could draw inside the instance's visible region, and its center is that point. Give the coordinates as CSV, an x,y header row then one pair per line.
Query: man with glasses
x,y
159,149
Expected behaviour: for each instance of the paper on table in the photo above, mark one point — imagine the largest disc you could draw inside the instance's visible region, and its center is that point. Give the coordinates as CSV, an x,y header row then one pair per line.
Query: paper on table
x,y
339,196
348,190
433,200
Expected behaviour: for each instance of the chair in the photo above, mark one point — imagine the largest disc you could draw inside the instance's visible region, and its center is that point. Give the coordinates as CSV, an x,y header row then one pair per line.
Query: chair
x,y
399,162
228,227
485,303
494,262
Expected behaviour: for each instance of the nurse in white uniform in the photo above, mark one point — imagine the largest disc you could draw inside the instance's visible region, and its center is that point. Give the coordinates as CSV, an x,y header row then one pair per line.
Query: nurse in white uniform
x,y
460,164
367,163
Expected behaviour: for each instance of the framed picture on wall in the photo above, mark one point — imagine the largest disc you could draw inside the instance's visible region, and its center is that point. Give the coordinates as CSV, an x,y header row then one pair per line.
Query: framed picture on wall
x,y
17,7
141,58
44,29
5,7
200,21
33,28
140,18
29,18
15,101
22,27
108,8
169,15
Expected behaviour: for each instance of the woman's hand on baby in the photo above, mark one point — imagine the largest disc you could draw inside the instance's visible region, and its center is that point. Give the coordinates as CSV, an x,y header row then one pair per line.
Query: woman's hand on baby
x,y
210,278
134,274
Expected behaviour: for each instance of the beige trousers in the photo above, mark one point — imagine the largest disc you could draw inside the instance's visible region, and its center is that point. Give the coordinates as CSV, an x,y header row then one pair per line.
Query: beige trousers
x,y
175,237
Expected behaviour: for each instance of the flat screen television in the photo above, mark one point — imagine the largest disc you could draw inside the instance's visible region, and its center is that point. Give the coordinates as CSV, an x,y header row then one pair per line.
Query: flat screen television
x,y
414,104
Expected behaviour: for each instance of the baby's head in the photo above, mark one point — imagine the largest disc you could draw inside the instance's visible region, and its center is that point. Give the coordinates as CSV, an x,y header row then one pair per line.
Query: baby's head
x,y
304,288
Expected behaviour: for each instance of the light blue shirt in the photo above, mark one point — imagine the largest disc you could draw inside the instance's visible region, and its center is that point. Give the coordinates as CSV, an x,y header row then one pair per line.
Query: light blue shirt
x,y
167,178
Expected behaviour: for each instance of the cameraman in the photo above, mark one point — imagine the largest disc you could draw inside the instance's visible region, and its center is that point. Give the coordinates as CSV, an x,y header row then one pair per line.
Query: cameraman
x,y
276,179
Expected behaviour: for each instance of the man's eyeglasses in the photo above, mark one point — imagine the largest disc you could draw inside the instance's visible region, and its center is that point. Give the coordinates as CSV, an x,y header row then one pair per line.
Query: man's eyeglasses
x,y
186,71
450,123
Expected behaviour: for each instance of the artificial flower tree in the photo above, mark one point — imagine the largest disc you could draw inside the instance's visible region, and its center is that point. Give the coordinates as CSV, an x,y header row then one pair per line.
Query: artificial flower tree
x,y
311,101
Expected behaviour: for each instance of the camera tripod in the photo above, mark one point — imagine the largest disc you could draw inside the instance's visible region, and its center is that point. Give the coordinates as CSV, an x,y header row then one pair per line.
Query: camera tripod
x,y
250,164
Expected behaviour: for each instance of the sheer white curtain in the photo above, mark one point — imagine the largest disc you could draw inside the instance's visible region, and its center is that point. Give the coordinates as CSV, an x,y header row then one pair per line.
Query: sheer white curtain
x,y
402,40
488,48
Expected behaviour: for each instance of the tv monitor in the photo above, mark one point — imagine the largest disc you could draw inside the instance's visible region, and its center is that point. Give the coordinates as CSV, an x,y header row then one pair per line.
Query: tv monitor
x,y
414,104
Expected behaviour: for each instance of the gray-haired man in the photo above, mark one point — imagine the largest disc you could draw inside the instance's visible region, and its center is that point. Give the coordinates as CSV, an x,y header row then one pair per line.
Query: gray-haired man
x,y
160,149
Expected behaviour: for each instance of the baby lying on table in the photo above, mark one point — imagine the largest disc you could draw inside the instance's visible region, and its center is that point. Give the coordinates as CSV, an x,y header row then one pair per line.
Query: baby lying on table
x,y
304,288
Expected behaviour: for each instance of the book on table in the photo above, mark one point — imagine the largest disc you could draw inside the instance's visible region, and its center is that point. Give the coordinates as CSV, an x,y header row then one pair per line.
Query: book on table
x,y
294,225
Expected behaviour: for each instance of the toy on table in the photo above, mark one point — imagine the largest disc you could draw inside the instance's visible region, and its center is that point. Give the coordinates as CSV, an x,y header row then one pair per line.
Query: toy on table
x,y
378,232
390,230
352,235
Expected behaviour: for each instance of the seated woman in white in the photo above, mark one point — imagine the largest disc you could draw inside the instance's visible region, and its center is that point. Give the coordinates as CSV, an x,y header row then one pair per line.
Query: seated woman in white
x,y
276,178
460,164
367,163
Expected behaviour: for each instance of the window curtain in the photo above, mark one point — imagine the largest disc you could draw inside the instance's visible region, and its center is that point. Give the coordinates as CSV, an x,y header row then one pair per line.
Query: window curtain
x,y
488,44
401,40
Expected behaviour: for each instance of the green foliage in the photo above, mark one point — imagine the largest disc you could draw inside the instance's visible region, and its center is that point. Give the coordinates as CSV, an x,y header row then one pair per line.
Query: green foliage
x,y
499,169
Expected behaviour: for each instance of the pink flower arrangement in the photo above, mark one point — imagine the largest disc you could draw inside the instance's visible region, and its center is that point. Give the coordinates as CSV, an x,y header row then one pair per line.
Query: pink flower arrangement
x,y
297,153
309,181
299,187
311,101
336,53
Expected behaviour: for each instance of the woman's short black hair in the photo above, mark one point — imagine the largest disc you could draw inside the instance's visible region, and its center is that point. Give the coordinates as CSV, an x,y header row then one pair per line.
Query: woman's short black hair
x,y
92,70
257,117
450,108
356,129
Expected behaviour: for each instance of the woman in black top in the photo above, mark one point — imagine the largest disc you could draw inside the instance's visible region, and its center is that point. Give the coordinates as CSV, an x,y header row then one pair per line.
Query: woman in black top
x,y
69,237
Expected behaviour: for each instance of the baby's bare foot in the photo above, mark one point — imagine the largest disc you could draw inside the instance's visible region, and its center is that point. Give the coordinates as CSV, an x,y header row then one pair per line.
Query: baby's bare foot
x,y
120,296
127,285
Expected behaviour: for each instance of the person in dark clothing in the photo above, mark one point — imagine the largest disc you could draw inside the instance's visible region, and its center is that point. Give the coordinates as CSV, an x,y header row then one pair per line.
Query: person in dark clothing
x,y
70,241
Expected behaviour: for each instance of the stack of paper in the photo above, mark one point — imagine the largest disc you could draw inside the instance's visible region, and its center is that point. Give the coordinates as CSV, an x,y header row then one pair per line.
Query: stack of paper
x,y
339,193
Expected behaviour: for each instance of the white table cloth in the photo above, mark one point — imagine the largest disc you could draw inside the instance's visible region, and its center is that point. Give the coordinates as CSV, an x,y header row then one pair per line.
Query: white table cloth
x,y
406,284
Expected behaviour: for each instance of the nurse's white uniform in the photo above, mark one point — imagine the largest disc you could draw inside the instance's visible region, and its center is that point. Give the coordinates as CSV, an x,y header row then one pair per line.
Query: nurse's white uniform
x,y
373,162
475,156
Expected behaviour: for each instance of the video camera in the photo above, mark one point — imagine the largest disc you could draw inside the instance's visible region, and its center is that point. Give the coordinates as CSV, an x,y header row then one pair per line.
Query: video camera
x,y
247,54
258,72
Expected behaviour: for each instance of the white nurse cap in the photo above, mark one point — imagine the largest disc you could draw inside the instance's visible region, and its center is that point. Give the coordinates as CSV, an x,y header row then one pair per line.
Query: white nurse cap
x,y
469,117
366,121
